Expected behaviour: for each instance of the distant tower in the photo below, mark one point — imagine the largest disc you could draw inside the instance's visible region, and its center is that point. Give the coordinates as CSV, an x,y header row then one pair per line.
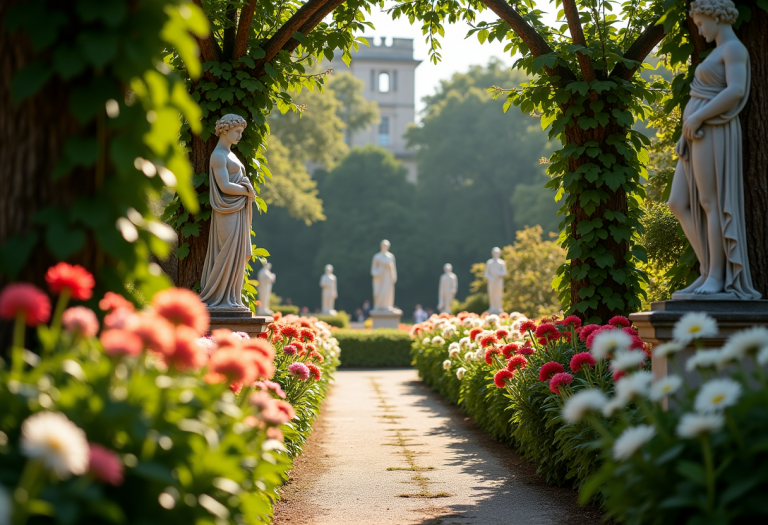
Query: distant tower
x,y
388,73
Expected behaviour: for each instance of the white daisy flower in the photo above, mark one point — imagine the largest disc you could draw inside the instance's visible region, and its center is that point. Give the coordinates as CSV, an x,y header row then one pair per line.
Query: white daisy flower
x,y
743,343
464,342
492,321
694,425
438,341
447,364
610,342
694,325
477,322
60,444
453,354
460,373
762,356
633,385
665,387
583,402
613,405
631,440
6,506
479,354
453,346
449,331
468,357
627,360
468,323
426,341
717,394
667,349
703,359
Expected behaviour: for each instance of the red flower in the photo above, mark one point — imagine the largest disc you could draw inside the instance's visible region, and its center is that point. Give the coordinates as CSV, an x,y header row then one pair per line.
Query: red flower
x,y
550,369
629,330
81,321
558,380
105,465
232,366
289,332
618,374
182,307
225,338
263,335
26,299
74,278
314,371
586,331
277,413
525,350
277,316
594,333
474,333
527,326
155,332
572,321
307,335
487,341
261,347
516,363
117,342
187,353
619,321
637,343
581,360
490,352
112,301
509,349
548,332
501,377
262,353
314,354
502,334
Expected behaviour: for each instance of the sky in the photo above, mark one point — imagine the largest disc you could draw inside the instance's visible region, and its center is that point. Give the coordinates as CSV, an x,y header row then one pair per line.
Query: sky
x,y
458,52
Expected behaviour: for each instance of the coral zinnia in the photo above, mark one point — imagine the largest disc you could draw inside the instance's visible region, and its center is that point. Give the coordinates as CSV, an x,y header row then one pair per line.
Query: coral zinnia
x,y
277,412
548,332
474,333
619,321
307,335
230,365
582,360
261,347
26,299
74,278
559,380
550,369
80,321
501,377
156,333
314,371
516,363
182,307
300,370
527,326
117,342
502,334
105,465
489,353
314,354
509,349
487,341
112,301
187,352
289,332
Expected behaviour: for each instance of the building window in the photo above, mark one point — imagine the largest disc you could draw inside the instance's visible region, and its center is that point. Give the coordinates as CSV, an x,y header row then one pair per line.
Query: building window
x,y
384,132
394,80
383,82
373,80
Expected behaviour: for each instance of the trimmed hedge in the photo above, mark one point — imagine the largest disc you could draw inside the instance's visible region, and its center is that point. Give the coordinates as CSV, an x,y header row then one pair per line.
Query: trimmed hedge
x,y
382,348
340,320
286,309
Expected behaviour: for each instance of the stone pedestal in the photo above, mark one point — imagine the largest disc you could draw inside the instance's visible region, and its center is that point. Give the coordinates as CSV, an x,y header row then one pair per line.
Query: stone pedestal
x,y
239,320
386,318
732,316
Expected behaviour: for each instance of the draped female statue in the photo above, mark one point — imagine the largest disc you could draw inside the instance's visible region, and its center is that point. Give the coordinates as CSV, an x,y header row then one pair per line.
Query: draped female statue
x,y
329,291
495,272
229,244
384,272
707,193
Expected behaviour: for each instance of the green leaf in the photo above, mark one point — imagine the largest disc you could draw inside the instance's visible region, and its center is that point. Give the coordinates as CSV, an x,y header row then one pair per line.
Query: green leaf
x,y
15,252
190,229
271,71
82,150
30,80
63,240
111,11
692,471
68,61
100,47
260,252
604,259
183,251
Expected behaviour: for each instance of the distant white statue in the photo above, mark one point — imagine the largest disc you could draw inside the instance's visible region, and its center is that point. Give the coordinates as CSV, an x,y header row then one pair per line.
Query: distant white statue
x,y
329,291
384,272
449,285
707,193
266,279
495,272
229,244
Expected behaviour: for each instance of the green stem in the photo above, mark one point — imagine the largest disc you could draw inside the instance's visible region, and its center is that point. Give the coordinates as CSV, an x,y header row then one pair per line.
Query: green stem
x,y
17,351
61,305
710,472
28,488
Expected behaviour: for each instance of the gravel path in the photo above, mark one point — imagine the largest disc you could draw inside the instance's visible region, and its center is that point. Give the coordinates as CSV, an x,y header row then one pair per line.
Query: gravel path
x,y
388,450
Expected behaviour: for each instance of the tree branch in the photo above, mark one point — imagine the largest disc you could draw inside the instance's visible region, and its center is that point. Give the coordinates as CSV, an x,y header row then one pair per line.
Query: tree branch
x,y
209,49
640,49
699,43
577,34
527,34
243,30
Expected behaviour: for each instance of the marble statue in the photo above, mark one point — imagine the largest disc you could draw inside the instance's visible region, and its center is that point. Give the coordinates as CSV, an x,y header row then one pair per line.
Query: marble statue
x,y
329,291
707,193
449,284
384,274
229,243
266,279
495,272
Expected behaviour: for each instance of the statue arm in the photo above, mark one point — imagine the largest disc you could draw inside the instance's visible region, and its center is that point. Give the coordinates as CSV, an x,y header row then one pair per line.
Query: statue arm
x,y
220,173
375,270
394,270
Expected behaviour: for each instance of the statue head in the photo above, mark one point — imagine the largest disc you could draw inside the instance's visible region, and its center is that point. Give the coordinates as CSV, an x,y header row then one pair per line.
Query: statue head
x,y
231,127
708,15
329,269
496,252
267,266
448,268
384,246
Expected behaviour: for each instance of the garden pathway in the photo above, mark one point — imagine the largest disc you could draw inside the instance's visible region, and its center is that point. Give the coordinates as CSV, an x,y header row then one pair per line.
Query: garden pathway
x,y
388,450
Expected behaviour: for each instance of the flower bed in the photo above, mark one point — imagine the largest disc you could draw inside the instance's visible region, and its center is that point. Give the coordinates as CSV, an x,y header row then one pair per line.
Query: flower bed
x,y
142,418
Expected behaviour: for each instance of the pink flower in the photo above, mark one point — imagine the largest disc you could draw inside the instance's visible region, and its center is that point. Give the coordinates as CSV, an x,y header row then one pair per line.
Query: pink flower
x,y
582,360
156,333
559,380
501,377
525,350
629,330
278,413
586,331
618,375
594,333
571,321
619,321
516,362
80,321
117,342
105,465
112,301
270,385
232,365
300,370
26,299
289,349
550,369
548,332
74,278
508,350
182,307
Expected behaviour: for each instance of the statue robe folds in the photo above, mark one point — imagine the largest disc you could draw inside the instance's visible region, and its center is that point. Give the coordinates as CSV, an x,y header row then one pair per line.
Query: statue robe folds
x,y
229,246
722,137
384,274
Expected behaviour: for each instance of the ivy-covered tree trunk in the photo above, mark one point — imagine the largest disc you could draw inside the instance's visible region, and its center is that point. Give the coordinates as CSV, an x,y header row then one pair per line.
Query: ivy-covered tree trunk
x,y
754,127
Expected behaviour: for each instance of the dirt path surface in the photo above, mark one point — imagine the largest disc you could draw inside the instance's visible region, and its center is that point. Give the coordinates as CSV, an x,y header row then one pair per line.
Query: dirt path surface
x,y
388,450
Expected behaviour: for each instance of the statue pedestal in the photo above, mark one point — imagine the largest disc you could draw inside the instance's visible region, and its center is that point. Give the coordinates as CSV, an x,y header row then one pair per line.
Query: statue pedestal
x,y
386,318
732,316
239,320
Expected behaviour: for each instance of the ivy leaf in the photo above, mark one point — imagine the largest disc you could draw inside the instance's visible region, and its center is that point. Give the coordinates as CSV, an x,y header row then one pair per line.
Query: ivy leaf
x,y
271,71
549,60
100,48
82,150
578,87
190,229
604,259
15,252
30,80
183,251
63,241
68,61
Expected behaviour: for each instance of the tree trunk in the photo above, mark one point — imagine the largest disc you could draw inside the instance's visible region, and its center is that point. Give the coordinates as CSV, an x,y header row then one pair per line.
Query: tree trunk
x,y
754,127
